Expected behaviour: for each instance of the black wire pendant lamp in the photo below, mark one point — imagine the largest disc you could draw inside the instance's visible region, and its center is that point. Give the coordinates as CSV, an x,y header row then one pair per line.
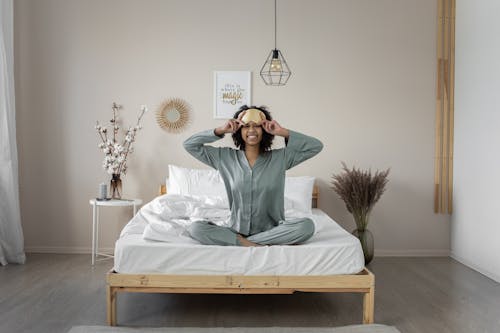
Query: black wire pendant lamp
x,y
275,71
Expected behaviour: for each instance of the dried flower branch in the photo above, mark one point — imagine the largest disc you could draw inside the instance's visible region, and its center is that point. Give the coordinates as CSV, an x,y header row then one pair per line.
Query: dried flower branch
x,y
115,153
359,190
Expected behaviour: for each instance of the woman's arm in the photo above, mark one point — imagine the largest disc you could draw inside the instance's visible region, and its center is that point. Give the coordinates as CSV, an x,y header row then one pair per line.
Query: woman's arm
x,y
196,144
299,147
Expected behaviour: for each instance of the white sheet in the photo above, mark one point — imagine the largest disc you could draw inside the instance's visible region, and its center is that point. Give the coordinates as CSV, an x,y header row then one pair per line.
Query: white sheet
x,y
166,217
332,250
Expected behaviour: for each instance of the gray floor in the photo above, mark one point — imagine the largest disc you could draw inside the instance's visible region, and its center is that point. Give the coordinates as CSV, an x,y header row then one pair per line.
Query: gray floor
x,y
52,293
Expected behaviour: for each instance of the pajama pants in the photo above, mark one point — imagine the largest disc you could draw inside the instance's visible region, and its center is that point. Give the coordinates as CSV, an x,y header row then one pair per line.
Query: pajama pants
x,y
289,232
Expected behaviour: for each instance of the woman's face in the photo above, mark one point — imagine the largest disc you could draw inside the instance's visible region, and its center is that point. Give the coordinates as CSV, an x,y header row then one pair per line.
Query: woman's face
x,y
251,134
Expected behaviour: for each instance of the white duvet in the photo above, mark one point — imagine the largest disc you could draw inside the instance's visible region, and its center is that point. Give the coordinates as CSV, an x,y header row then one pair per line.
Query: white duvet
x,y
166,217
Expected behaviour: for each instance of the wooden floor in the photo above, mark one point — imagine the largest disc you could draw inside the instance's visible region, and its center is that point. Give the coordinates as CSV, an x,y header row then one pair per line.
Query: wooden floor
x,y
51,293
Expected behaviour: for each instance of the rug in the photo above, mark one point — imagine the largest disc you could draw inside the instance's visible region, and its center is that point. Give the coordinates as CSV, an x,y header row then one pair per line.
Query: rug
x,y
372,328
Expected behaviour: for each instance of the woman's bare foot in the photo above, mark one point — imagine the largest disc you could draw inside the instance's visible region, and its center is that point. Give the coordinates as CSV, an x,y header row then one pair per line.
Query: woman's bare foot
x,y
245,242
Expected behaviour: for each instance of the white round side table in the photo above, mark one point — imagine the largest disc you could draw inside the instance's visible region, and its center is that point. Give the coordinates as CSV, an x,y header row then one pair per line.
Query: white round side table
x,y
95,220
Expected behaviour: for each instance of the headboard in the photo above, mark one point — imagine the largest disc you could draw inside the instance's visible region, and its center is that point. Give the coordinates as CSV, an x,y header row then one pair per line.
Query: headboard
x,y
315,194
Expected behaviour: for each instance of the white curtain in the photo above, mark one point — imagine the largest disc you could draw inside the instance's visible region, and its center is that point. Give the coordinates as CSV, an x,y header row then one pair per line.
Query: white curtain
x,y
11,233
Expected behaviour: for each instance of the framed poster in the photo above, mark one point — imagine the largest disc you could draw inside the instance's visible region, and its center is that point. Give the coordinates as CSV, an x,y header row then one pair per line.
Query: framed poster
x,y
231,91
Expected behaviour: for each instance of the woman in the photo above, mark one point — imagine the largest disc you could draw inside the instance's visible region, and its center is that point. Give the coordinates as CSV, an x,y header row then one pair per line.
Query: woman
x,y
254,177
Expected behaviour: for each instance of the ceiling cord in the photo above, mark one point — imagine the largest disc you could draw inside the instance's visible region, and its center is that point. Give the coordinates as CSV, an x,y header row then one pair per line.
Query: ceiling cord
x,y
275,34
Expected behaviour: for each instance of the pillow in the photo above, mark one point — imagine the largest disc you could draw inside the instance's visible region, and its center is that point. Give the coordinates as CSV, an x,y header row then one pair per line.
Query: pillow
x,y
199,182
298,193
208,182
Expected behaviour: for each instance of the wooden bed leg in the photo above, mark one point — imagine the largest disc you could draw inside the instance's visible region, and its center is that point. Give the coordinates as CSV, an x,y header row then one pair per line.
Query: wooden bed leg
x,y
369,306
111,305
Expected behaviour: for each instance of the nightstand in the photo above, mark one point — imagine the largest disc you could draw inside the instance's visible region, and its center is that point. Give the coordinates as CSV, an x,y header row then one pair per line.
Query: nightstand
x,y
95,220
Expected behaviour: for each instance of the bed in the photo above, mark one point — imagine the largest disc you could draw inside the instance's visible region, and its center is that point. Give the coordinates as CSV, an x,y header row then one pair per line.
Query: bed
x,y
330,267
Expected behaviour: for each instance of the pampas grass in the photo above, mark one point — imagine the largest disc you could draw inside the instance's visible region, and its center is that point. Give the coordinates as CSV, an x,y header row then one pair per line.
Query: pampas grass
x,y
359,190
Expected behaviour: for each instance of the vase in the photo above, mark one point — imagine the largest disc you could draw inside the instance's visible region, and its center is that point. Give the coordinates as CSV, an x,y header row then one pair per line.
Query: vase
x,y
116,186
366,239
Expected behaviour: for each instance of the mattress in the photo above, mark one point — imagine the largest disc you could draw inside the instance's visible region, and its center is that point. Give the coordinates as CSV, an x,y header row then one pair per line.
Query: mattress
x,y
330,251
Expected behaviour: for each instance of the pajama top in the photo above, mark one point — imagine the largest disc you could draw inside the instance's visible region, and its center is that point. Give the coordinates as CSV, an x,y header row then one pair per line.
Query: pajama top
x,y
256,194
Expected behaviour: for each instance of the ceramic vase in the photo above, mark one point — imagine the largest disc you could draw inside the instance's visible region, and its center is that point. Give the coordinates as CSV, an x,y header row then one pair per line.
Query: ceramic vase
x,y
367,244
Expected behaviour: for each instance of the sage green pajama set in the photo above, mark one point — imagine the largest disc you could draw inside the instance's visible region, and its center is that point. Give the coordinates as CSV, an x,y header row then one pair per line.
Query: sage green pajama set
x,y
256,194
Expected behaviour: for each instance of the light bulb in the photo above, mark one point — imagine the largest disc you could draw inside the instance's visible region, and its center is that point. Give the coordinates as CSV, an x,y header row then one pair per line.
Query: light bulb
x,y
275,65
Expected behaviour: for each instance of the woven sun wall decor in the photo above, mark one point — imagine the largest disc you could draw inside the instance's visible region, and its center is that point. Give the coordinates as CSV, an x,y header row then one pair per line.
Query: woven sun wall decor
x,y
173,115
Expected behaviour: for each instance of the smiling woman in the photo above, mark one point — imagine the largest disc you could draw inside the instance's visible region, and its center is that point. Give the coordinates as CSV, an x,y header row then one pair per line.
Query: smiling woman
x,y
252,117
254,178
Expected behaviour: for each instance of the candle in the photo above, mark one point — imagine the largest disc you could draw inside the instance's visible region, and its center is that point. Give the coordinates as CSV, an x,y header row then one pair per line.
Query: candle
x,y
103,191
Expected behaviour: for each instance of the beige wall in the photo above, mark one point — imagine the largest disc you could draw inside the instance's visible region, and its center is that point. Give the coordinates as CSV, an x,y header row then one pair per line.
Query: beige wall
x,y
363,82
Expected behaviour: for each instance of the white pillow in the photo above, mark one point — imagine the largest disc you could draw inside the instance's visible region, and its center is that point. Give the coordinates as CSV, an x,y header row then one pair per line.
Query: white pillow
x,y
208,182
200,182
298,193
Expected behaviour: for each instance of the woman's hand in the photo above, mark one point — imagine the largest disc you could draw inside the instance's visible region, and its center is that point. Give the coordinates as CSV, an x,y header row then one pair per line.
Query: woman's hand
x,y
231,126
274,128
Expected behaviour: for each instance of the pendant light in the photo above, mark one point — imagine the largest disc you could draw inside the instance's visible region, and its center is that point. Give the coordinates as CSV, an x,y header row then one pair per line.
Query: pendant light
x,y
275,71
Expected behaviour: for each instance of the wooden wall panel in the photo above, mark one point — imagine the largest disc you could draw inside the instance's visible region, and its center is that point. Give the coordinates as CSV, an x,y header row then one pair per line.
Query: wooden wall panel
x,y
443,170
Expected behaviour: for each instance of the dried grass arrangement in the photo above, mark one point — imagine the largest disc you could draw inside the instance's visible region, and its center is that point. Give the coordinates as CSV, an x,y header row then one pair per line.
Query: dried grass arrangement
x,y
360,190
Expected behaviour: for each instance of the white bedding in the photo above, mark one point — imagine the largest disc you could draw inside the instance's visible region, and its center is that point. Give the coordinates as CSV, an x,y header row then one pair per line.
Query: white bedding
x,y
331,250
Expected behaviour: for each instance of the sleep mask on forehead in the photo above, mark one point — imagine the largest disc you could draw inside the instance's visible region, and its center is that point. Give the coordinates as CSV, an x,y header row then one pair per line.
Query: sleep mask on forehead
x,y
254,115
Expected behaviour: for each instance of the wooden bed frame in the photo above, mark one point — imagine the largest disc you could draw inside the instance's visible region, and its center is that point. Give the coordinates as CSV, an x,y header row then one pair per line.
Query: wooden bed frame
x,y
362,282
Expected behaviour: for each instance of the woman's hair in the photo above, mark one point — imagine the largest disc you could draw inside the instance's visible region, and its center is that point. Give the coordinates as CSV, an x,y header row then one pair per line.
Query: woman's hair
x,y
267,139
